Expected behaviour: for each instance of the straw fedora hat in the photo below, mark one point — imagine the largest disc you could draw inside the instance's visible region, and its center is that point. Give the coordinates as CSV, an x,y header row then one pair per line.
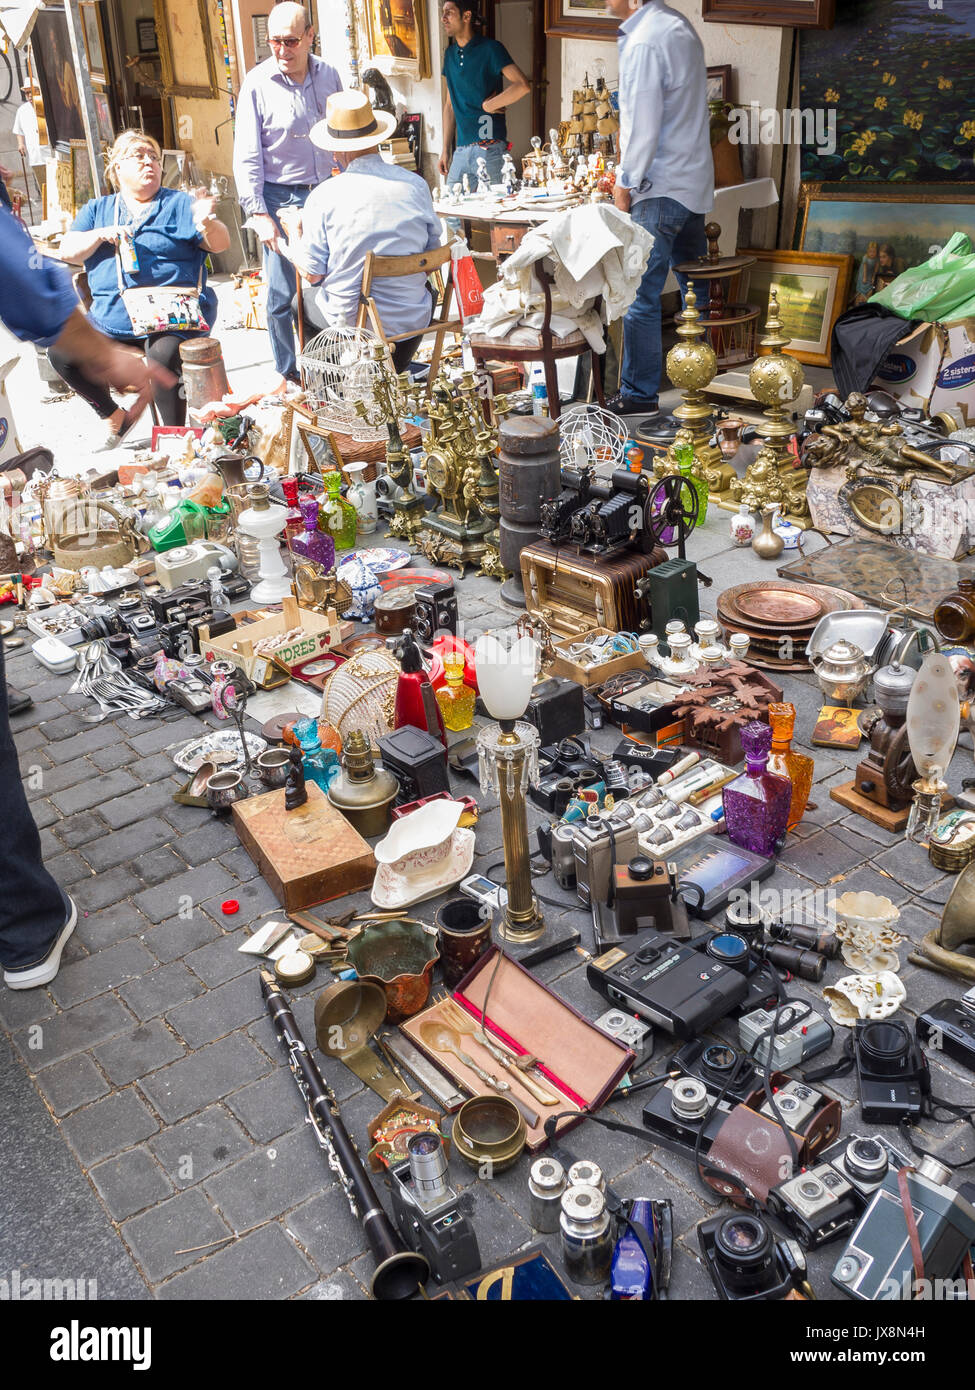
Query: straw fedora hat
x,y
351,124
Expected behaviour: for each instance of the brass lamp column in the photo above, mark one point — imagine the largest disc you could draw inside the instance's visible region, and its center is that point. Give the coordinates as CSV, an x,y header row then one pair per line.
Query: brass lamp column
x,y
775,381
691,366
508,760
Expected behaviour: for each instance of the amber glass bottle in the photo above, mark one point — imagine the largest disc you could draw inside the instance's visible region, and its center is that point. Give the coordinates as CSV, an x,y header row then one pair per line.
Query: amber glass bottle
x,y
784,759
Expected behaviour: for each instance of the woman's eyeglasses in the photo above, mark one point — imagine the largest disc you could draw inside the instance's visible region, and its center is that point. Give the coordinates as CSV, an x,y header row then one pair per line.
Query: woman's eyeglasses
x,y
141,156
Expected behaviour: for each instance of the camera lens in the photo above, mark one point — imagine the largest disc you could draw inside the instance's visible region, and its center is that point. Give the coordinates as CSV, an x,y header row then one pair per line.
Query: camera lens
x,y
719,1057
743,1248
886,1047
729,947
810,1188
428,1167
689,1098
866,1159
787,1105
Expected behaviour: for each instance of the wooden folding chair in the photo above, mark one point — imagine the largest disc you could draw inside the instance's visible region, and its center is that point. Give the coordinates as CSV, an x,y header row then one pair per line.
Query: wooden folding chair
x,y
388,267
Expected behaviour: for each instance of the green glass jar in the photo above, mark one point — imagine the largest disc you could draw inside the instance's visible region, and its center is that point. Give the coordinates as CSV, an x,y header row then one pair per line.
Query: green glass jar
x,y
684,454
337,516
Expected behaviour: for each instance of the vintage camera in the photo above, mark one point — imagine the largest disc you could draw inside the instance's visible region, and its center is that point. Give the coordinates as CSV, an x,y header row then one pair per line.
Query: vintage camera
x,y
949,1027
800,1034
436,611
797,1103
643,895
631,1032
673,985
103,622
892,1071
747,1262
864,1162
600,843
817,1206
721,1066
556,709
685,1115
428,1211
185,597
734,950
555,514
563,856
878,1262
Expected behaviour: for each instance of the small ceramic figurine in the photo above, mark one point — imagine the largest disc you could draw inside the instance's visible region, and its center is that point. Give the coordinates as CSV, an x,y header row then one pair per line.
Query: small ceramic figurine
x,y
465,184
483,182
508,174
295,793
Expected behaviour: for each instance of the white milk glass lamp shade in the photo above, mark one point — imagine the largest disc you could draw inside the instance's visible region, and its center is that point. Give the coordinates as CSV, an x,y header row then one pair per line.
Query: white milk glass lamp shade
x,y
505,675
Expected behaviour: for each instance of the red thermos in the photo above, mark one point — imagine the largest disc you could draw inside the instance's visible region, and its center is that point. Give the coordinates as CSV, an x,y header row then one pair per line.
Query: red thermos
x,y
416,702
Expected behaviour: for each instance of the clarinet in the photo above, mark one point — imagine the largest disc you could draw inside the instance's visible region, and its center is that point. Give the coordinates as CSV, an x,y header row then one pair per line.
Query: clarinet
x,y
399,1272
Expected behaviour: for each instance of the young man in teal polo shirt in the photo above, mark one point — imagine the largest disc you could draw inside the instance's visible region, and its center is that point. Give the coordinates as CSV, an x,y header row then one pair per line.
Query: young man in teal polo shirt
x,y
475,70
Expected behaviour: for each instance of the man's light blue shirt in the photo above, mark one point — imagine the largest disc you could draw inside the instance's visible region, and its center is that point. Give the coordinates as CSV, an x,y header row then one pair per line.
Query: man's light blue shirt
x,y
373,206
665,132
273,127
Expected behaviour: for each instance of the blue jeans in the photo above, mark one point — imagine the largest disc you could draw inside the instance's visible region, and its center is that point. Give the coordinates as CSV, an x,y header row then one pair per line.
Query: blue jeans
x,y
279,276
678,236
465,162
33,908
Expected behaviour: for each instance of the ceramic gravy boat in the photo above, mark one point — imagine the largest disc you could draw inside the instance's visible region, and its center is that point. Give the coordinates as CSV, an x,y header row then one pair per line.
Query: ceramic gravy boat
x,y
418,842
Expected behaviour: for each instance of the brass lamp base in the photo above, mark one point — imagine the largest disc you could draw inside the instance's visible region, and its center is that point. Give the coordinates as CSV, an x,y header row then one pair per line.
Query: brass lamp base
x,y
522,931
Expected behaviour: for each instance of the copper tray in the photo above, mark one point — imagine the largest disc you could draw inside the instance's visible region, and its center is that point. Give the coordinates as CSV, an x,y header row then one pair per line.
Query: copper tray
x,y
777,605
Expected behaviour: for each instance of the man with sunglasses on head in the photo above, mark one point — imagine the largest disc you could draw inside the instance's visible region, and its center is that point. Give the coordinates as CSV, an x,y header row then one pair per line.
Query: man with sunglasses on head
x,y
276,165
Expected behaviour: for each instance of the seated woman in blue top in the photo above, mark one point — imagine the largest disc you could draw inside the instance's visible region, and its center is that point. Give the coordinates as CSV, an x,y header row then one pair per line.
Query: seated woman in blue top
x,y
169,233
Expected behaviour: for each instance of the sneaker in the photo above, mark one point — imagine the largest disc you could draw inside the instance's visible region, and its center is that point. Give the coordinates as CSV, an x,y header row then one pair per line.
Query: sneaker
x,y
33,976
17,701
621,404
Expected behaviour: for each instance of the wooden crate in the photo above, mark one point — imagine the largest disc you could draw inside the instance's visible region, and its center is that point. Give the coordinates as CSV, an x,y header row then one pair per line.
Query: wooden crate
x,y
322,634
564,665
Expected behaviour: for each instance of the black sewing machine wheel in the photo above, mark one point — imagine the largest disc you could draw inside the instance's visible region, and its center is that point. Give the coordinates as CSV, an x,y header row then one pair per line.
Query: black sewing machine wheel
x,y
672,503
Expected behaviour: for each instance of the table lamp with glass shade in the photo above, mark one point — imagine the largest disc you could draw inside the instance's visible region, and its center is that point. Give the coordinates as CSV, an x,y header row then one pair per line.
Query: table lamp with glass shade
x,y
508,758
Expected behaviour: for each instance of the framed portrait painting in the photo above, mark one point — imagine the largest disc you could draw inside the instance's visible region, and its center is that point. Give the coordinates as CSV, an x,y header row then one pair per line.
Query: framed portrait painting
x,y
94,39
580,19
51,49
813,290
398,36
781,14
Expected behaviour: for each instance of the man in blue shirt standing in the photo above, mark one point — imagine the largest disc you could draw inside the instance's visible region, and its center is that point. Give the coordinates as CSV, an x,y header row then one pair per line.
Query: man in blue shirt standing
x,y
665,178
475,69
276,165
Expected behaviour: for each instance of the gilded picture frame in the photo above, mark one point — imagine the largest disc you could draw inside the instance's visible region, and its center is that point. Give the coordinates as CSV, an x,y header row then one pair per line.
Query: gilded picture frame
x,y
783,14
580,19
93,35
810,305
185,50
397,36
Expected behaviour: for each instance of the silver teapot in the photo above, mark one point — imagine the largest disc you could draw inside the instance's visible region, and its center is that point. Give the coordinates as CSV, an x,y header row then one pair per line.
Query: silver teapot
x,y
843,671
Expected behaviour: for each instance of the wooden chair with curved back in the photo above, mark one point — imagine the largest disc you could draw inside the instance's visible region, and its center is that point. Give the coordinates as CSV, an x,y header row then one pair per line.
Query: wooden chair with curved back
x,y
394,267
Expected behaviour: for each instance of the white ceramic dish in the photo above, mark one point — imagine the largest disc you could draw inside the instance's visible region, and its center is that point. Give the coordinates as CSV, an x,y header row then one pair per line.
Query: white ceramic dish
x,y
417,843
225,744
394,891
866,910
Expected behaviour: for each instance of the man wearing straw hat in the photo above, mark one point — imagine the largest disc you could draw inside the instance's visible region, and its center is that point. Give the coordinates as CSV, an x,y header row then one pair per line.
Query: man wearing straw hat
x,y
374,206
276,165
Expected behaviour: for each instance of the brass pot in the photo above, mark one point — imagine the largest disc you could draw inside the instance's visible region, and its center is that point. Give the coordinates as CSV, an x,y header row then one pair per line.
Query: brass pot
x,y
399,956
489,1129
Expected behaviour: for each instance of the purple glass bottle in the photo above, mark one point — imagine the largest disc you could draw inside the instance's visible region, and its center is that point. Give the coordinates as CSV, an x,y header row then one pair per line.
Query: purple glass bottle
x,y
756,804
313,544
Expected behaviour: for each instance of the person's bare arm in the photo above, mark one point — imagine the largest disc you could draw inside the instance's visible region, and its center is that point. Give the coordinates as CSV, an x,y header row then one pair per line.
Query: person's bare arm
x,y
449,131
76,247
21,144
518,87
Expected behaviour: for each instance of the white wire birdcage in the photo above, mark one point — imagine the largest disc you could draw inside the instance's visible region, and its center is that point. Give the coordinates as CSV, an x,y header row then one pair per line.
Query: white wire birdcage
x,y
339,370
600,436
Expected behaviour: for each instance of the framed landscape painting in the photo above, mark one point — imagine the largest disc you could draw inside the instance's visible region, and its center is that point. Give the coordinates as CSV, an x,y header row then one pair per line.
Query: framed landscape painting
x,y
579,19
792,14
813,290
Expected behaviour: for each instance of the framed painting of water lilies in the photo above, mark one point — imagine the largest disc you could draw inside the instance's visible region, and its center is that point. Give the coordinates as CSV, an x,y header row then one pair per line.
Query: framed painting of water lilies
x,y
900,75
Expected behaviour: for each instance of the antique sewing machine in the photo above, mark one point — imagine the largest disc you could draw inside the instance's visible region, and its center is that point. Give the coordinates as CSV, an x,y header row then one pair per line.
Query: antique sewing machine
x,y
458,462
882,476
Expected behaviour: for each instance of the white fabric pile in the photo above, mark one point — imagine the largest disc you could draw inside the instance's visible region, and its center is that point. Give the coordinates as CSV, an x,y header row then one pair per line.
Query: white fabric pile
x,y
593,250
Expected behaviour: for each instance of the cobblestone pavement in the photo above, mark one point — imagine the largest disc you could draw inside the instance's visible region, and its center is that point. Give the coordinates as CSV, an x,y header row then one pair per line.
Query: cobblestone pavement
x,y
151,1136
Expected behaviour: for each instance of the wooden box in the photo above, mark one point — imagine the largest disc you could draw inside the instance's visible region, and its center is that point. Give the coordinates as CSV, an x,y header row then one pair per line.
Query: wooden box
x,y
576,592
321,635
578,1062
564,665
309,855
